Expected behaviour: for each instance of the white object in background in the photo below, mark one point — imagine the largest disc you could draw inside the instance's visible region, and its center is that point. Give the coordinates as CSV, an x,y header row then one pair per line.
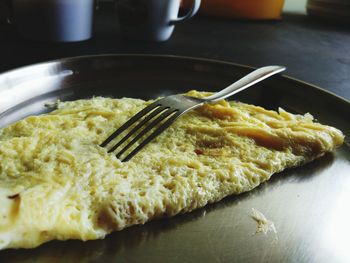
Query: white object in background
x,y
295,6
53,20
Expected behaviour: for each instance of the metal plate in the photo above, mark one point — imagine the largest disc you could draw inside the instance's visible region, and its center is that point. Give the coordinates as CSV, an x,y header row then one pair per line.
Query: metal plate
x,y
308,205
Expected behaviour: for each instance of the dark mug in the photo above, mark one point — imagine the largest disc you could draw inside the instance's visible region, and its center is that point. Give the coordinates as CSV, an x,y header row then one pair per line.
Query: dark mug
x,y
152,20
52,20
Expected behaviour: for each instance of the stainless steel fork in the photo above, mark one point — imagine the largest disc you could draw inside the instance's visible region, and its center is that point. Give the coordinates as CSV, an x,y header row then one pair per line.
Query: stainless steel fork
x,y
162,113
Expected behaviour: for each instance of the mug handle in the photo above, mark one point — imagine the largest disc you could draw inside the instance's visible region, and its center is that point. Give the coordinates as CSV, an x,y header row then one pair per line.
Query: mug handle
x,y
194,9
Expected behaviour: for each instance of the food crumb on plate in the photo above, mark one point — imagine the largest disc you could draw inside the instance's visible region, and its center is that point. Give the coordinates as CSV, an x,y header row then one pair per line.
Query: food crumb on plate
x,y
263,224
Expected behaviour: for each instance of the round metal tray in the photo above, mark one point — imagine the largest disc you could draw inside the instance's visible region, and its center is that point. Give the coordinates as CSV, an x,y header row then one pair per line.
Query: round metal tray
x,y
308,205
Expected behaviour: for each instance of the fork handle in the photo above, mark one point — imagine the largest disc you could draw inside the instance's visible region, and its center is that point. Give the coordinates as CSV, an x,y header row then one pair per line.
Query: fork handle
x,y
245,82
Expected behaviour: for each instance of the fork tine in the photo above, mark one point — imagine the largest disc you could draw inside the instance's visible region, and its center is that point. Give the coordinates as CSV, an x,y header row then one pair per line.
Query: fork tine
x,y
146,129
138,126
152,136
130,122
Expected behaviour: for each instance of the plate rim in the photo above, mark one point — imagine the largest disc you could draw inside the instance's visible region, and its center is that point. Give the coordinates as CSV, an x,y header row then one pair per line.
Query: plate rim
x,y
170,56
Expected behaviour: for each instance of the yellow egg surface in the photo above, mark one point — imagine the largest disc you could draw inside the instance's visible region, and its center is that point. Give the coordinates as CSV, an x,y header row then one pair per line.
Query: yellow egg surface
x,y
56,182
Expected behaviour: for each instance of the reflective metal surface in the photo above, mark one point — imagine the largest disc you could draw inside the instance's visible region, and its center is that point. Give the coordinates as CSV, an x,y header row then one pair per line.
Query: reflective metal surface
x,y
308,205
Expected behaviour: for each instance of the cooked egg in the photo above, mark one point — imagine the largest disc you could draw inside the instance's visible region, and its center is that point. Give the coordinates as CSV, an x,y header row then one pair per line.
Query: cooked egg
x,y
56,182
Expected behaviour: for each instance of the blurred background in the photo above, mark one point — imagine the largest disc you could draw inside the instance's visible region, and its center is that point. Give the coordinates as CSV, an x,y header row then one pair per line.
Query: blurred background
x,y
309,47
298,6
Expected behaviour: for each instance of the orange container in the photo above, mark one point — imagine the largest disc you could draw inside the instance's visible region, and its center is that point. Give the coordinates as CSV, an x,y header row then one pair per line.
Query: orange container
x,y
244,9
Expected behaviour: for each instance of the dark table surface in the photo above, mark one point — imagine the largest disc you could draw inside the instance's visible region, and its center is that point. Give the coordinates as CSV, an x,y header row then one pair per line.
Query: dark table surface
x,y
314,51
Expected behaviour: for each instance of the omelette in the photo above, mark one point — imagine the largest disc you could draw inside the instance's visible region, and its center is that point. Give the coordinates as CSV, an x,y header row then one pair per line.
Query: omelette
x,y
56,182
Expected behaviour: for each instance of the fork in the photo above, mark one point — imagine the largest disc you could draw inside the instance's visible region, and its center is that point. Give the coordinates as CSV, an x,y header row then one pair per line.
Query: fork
x,y
160,114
